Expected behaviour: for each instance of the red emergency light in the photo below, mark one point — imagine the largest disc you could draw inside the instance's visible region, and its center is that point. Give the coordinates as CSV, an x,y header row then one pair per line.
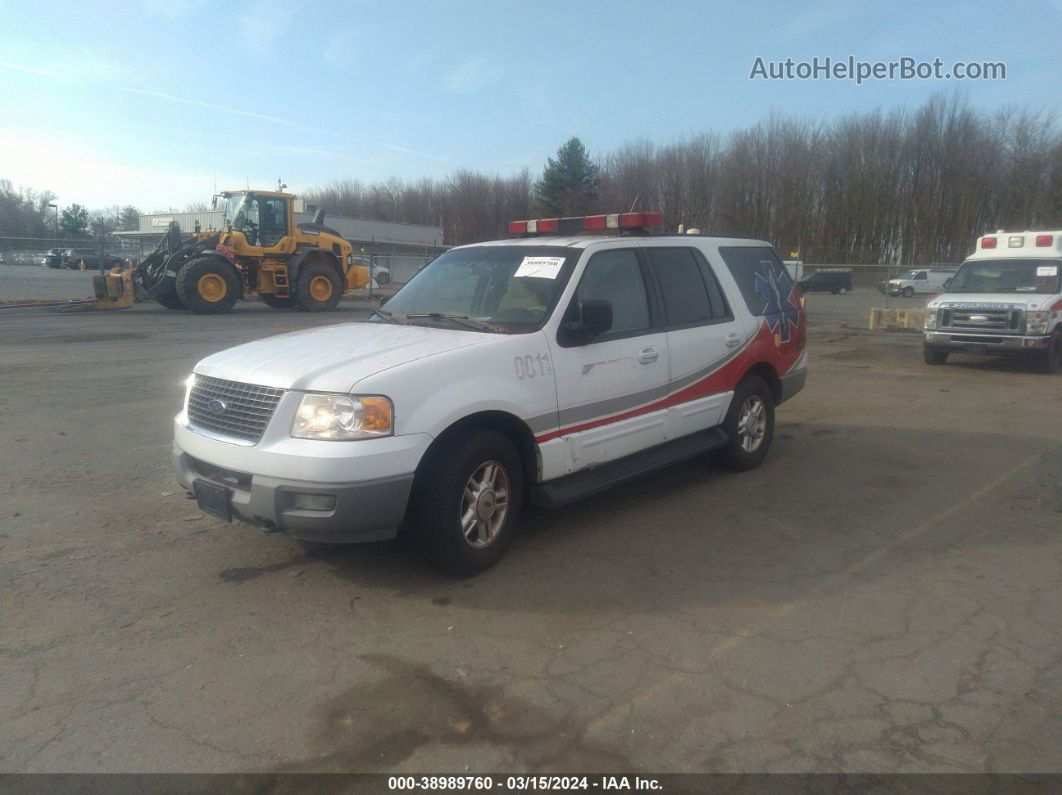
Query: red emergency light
x,y
586,223
988,242
1043,240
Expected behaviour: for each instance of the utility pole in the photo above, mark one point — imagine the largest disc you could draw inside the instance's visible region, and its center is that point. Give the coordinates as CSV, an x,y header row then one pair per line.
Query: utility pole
x,y
56,208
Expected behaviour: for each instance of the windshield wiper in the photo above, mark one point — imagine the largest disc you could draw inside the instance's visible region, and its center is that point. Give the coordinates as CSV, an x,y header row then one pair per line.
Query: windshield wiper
x,y
461,320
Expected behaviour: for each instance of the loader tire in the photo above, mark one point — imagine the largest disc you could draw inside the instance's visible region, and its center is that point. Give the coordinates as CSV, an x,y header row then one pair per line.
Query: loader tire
x,y
277,303
208,286
170,301
319,287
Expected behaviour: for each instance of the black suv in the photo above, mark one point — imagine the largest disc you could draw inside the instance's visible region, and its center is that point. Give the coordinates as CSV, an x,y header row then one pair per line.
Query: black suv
x,y
836,282
74,257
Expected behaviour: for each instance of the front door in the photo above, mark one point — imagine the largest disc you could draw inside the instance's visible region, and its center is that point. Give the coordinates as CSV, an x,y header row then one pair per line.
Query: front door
x,y
610,391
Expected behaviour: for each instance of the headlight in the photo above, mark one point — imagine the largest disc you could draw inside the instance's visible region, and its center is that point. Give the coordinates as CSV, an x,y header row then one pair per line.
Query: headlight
x,y
931,318
1037,322
343,417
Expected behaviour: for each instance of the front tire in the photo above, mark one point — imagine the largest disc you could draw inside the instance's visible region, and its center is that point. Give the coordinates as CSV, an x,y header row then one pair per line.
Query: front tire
x,y
842,291
170,301
467,502
749,426
908,292
208,285
319,287
1050,360
934,355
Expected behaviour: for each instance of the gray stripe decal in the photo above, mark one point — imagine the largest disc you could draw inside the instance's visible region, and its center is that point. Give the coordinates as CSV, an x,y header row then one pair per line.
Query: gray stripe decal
x,y
616,405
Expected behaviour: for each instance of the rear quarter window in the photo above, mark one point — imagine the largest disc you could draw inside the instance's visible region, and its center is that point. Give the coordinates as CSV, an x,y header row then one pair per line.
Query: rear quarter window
x,y
765,285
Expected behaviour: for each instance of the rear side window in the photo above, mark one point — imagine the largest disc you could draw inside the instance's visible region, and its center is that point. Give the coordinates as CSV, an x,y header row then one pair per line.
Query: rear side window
x,y
682,286
765,285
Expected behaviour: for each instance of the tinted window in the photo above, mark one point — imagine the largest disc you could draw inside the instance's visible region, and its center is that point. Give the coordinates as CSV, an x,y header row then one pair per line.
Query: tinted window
x,y
685,296
615,276
766,286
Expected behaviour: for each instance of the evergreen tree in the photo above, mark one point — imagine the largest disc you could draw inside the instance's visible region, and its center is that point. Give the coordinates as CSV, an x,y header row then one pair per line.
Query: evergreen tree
x,y
569,182
74,221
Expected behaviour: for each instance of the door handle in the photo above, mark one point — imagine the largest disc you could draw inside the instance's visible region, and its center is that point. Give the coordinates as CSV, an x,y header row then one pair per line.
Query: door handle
x,y
732,339
648,355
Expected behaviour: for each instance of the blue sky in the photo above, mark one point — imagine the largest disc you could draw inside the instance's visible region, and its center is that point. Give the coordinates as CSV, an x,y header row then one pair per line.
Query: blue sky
x,y
144,101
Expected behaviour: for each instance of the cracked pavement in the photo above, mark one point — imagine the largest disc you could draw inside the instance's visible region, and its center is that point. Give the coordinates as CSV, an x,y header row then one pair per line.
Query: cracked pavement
x,y
882,595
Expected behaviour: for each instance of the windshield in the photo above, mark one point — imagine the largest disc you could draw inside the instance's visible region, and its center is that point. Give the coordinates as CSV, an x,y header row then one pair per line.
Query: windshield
x,y
241,212
1007,276
510,289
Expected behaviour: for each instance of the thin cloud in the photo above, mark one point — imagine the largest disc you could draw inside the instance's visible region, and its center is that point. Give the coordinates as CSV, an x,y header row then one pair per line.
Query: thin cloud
x,y
211,106
18,67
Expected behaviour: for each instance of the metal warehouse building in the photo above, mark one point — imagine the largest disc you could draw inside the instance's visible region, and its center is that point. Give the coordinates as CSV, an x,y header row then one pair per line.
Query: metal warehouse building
x,y
401,248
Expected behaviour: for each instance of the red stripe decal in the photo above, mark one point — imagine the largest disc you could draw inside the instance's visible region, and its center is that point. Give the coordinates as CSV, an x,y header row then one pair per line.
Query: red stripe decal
x,y
762,348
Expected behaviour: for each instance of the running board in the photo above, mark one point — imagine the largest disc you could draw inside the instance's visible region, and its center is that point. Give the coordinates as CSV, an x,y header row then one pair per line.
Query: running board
x,y
561,491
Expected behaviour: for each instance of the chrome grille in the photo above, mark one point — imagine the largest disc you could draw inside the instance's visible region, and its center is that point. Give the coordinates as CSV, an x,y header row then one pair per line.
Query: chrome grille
x,y
982,319
247,407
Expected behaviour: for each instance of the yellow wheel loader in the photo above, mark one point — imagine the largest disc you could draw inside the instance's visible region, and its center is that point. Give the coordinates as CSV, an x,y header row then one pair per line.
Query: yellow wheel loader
x,y
261,251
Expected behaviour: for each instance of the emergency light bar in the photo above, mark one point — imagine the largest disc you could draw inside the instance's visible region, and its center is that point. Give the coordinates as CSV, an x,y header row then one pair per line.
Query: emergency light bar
x,y
586,223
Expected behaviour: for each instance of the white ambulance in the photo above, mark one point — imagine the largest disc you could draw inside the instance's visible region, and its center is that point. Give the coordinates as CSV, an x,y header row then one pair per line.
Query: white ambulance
x,y
539,369
1005,299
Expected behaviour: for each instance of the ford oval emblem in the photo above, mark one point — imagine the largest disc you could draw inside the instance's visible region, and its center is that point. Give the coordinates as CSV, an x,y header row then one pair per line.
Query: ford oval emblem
x,y
215,406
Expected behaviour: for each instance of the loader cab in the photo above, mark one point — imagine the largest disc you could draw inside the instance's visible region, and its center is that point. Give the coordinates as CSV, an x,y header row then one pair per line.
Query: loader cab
x,y
264,218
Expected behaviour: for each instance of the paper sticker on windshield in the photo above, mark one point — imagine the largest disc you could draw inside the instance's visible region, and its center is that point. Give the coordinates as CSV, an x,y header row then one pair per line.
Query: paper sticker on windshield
x,y
540,267
1047,270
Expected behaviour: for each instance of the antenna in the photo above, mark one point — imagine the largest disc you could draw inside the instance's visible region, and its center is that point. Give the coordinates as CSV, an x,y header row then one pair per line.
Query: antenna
x,y
635,202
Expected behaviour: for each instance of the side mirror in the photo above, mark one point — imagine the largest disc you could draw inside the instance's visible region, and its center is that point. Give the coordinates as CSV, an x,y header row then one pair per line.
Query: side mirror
x,y
592,318
214,202
319,217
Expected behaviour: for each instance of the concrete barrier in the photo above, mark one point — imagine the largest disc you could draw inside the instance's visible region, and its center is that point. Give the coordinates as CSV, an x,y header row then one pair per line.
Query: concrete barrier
x,y
881,318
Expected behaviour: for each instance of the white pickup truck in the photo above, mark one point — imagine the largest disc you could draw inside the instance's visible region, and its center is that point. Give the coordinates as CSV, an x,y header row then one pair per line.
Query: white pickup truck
x,y
1005,299
536,369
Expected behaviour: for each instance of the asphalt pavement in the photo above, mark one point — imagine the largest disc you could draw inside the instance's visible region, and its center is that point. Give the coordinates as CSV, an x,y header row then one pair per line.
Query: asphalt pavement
x,y
882,595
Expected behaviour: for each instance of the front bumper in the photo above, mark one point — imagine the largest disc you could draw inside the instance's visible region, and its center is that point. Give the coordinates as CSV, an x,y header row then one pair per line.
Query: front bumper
x,y
370,510
965,342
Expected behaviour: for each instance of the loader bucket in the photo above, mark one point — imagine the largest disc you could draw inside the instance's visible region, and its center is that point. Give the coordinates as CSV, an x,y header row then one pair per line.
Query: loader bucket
x,y
114,289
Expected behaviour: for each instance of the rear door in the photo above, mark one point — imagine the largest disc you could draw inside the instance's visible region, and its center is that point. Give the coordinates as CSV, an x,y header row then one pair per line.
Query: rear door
x,y
610,391
702,336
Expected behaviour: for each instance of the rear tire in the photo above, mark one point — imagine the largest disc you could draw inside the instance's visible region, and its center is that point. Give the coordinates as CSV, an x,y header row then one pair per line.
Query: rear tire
x,y
319,287
170,301
208,285
467,502
934,355
749,426
1049,360
277,303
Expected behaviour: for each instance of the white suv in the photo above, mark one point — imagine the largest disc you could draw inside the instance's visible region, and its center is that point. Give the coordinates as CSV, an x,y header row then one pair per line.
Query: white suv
x,y
538,369
1005,299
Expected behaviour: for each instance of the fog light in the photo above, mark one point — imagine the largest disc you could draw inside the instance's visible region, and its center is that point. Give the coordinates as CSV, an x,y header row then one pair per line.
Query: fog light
x,y
314,502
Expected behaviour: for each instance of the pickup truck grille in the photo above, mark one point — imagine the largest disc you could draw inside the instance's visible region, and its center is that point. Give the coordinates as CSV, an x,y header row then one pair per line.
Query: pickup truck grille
x,y
999,320
230,408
